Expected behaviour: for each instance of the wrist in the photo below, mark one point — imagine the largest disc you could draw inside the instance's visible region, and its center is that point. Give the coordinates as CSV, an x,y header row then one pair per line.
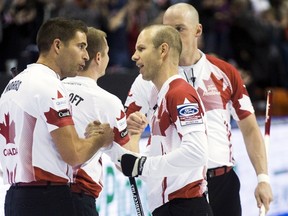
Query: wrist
x,y
263,178
132,165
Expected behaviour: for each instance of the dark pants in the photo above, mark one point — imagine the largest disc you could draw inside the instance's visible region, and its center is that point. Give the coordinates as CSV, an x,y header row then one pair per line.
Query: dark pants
x,y
39,200
85,205
184,207
223,193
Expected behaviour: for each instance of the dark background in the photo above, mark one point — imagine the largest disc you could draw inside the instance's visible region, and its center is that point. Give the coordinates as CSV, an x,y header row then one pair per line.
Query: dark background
x,y
117,84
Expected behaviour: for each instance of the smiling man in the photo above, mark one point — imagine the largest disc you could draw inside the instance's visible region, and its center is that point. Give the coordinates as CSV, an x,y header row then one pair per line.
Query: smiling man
x,y
175,166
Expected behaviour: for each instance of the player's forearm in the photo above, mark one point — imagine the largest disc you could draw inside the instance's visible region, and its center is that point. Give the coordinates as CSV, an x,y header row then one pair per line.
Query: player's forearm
x,y
254,144
86,148
133,144
256,152
192,153
82,150
75,150
115,151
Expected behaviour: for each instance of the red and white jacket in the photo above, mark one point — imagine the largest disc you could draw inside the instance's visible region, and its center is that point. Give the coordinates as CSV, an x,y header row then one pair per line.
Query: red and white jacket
x,y
223,94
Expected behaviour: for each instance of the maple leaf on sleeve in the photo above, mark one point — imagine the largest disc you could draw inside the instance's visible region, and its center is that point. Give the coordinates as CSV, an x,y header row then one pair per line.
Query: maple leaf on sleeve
x,y
8,130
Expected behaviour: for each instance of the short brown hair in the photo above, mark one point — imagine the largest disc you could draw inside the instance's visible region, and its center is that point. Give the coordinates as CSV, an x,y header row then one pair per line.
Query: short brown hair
x,y
62,28
96,43
166,34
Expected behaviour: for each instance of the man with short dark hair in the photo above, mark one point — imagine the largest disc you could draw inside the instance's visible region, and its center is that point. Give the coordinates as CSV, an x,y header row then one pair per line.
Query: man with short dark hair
x,y
38,140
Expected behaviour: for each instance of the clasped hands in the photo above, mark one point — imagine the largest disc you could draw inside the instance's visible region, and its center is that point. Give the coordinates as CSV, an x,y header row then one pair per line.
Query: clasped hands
x,y
95,128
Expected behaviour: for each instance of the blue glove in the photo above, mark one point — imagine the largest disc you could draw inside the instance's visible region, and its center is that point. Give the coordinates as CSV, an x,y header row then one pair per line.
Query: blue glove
x,y
131,165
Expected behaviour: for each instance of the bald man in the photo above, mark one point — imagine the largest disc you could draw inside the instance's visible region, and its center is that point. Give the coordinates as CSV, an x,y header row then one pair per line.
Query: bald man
x,y
174,167
224,95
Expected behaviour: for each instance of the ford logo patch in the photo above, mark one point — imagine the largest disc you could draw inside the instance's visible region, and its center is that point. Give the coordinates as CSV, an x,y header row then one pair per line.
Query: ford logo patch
x,y
188,110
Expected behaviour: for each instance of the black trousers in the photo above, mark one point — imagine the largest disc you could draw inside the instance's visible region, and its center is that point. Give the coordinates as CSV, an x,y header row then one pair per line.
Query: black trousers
x,y
184,207
223,193
39,200
85,205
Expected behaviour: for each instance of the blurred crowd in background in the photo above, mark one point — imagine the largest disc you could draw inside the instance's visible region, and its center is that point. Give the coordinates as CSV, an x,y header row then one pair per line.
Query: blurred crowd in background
x,y
250,34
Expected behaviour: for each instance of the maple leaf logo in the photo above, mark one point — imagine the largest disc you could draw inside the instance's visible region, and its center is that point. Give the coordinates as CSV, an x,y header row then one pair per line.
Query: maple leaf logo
x,y
52,116
132,108
8,131
214,93
59,95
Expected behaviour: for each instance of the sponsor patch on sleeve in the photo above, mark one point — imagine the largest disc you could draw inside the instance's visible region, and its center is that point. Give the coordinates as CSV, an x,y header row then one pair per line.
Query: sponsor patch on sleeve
x,y
189,114
121,124
124,133
60,103
64,113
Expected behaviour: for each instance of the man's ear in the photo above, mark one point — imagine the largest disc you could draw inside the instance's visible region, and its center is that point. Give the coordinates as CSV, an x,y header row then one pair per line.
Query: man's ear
x,y
164,49
198,30
57,45
98,57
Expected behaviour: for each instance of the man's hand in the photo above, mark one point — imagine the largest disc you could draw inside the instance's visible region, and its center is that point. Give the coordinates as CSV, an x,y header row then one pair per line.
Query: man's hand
x,y
263,195
136,123
93,128
131,165
96,129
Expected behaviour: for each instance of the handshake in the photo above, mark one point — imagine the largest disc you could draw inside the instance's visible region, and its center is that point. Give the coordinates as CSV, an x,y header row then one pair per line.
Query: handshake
x,y
131,165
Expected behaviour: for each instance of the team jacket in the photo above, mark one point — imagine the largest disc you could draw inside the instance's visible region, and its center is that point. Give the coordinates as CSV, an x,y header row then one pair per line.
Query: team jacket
x,y
223,94
89,103
177,149
33,104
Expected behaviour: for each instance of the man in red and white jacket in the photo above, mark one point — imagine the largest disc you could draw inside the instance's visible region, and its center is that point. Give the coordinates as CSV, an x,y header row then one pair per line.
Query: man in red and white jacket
x,y
174,167
224,94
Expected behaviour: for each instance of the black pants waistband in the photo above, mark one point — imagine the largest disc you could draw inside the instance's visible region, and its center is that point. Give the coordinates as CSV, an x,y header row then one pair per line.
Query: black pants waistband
x,y
218,171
